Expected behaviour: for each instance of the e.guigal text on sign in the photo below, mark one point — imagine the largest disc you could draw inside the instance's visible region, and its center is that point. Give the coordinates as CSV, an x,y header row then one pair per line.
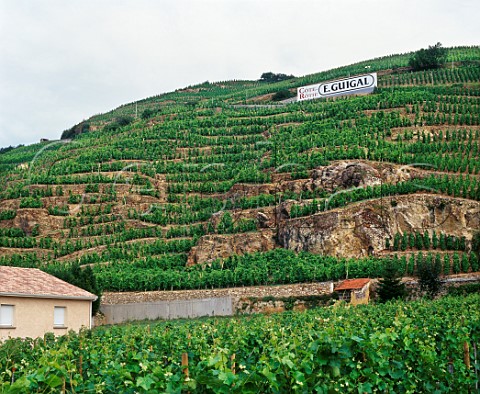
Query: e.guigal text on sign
x,y
360,84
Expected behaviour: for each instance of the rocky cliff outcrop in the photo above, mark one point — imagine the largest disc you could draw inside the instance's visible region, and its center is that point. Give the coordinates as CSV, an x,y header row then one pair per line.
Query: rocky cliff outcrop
x,y
214,246
355,231
345,175
27,218
361,229
336,176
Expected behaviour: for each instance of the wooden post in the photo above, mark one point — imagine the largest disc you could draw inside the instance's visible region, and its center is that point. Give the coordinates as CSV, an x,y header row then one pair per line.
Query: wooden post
x,y
185,364
232,359
80,359
466,354
477,381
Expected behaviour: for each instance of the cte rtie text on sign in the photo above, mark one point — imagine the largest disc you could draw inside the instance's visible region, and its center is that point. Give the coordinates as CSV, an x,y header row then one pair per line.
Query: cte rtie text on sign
x,y
360,84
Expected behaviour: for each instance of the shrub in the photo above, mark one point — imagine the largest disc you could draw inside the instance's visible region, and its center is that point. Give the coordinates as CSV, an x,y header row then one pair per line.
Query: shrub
x,y
476,243
272,77
80,277
282,95
82,127
7,214
121,121
429,278
148,113
390,286
465,289
124,120
425,59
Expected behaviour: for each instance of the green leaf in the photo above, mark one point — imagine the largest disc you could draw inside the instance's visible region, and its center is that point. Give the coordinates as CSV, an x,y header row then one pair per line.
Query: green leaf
x,y
21,385
227,378
335,372
53,381
365,388
214,360
145,382
286,361
299,376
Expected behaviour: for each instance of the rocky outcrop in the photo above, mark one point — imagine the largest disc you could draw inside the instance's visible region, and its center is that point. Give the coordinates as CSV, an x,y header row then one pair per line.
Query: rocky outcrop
x,y
345,175
357,230
214,246
339,175
361,229
264,221
354,231
28,218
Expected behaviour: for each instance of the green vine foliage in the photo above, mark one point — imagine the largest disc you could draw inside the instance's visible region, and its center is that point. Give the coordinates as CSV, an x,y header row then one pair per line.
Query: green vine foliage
x,y
415,347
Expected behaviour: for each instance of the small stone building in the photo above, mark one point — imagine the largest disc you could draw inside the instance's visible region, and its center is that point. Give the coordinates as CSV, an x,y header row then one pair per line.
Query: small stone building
x,y
33,303
354,291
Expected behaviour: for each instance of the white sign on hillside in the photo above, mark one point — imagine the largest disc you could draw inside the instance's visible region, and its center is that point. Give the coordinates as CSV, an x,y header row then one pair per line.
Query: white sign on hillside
x,y
360,84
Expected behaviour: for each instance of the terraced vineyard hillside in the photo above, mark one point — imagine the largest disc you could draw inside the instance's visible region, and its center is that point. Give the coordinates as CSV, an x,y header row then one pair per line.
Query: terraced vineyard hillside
x,y
218,185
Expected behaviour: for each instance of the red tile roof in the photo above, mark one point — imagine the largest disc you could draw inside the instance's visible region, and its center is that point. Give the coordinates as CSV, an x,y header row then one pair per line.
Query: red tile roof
x,y
352,284
32,282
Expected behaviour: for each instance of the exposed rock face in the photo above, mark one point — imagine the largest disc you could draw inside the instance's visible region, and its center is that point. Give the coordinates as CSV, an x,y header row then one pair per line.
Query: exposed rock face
x,y
28,218
264,220
283,210
345,175
361,229
337,176
357,230
211,247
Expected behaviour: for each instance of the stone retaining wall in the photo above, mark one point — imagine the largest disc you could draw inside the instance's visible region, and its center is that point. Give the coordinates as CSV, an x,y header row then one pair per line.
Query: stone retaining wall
x,y
121,307
292,290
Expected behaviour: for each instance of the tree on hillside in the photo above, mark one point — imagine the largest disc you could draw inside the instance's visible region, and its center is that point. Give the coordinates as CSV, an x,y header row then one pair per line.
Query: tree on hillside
x,y
429,278
80,277
425,59
9,148
120,121
81,128
282,95
148,113
390,286
272,77
476,243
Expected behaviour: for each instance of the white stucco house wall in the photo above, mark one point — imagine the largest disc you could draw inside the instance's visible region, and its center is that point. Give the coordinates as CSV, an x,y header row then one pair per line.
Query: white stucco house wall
x,y
33,303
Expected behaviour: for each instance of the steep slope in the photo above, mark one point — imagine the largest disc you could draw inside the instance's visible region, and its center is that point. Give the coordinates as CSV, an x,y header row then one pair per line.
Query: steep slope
x,y
191,176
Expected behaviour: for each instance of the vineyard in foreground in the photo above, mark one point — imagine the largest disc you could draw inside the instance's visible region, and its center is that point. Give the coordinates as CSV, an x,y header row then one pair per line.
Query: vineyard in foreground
x,y
416,347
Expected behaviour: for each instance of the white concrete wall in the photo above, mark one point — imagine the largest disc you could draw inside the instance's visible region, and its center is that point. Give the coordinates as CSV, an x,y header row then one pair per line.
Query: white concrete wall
x,y
120,313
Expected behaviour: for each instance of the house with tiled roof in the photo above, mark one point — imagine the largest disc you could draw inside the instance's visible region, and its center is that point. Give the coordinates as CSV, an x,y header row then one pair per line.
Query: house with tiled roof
x,y
33,303
355,291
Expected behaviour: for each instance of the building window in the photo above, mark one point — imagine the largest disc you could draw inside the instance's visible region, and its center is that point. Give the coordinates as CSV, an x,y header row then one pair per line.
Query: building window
x,y
6,315
59,316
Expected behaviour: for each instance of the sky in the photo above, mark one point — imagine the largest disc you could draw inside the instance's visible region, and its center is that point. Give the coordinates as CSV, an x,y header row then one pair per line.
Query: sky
x,y
62,61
